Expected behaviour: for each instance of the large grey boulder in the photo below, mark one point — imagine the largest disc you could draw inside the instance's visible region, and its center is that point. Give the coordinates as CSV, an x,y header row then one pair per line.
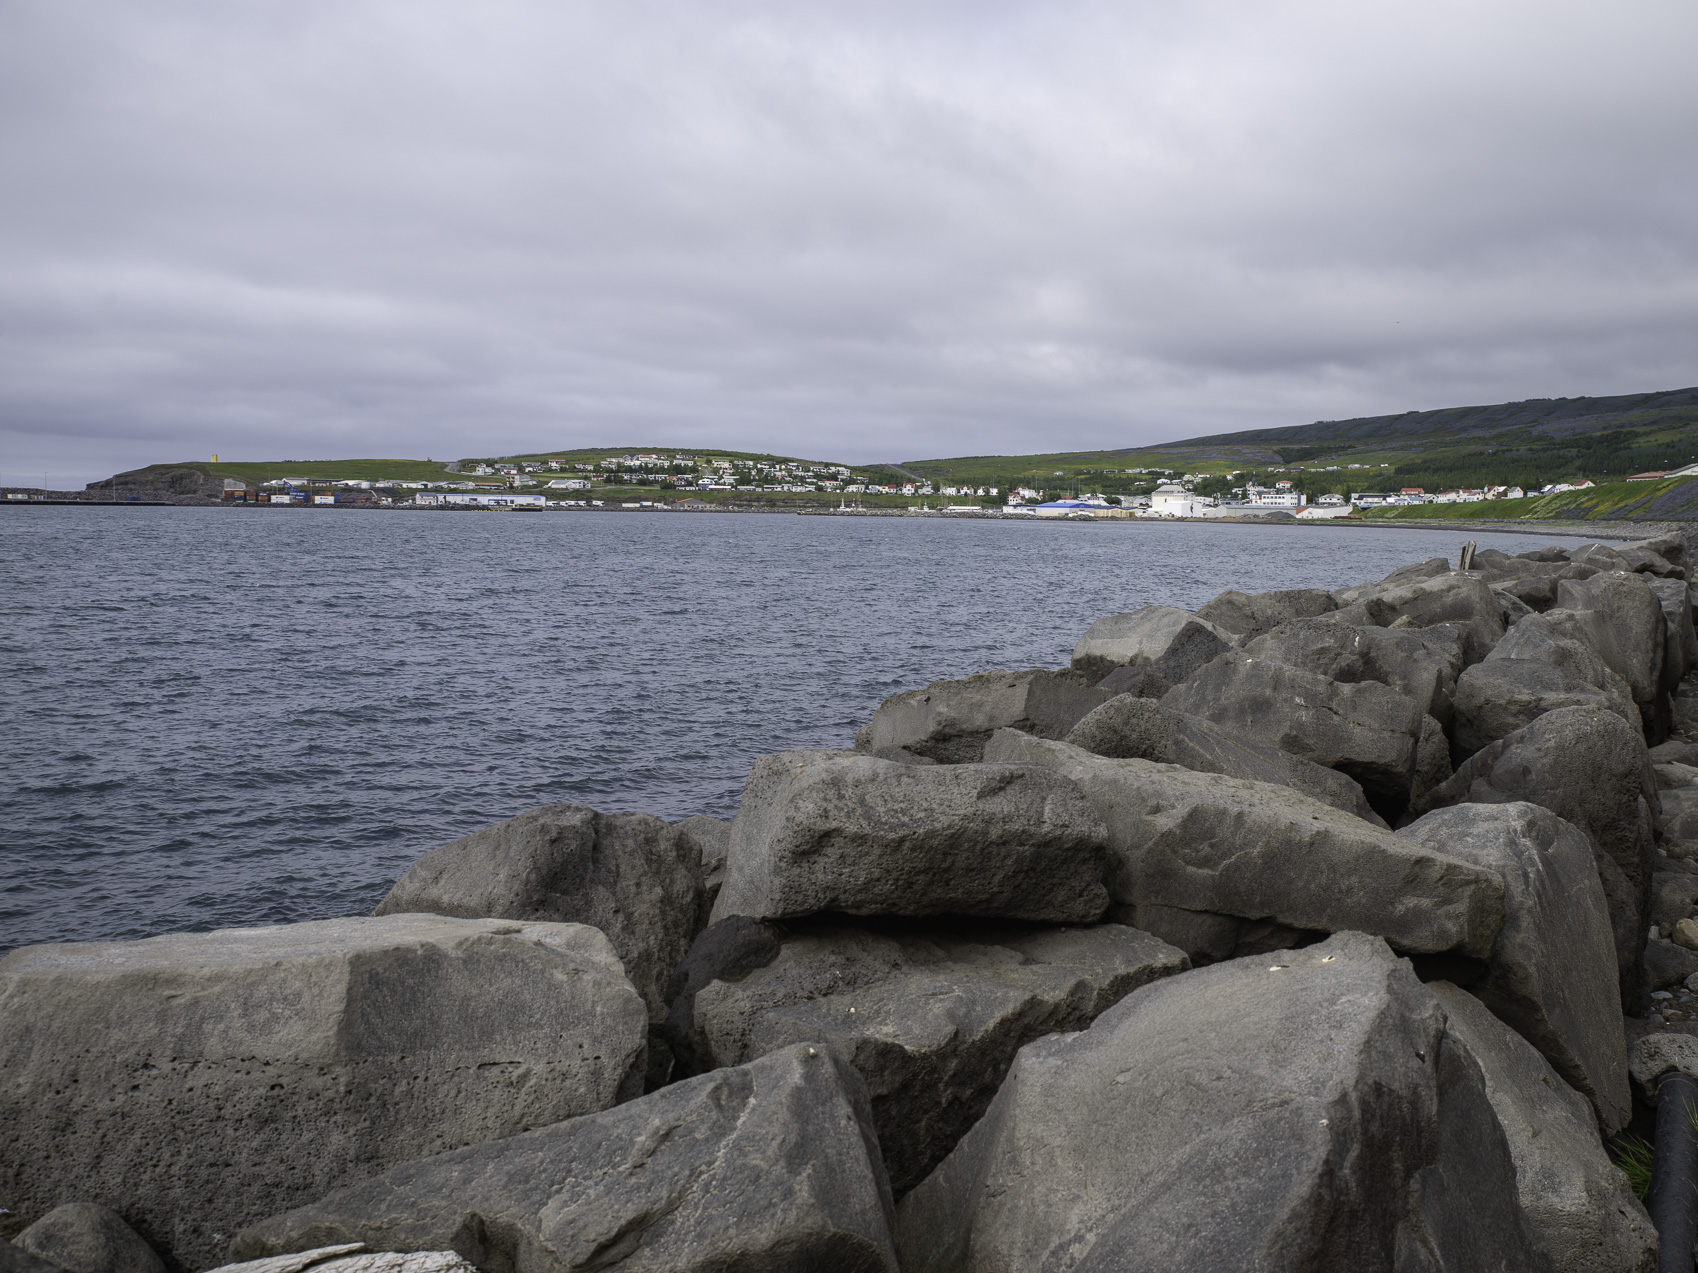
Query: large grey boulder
x,y
629,874
1421,663
1589,767
948,721
201,1080
1680,651
1173,642
14,1259
1499,696
1636,641
1415,572
1454,597
1552,974
769,1166
1127,727
1579,1211
1209,843
84,1237
837,831
710,841
1248,615
1568,640
930,1017
354,1257
1367,731
1301,1112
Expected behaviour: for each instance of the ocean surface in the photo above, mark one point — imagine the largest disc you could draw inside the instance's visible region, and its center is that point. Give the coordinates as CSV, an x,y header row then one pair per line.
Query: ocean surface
x,y
216,717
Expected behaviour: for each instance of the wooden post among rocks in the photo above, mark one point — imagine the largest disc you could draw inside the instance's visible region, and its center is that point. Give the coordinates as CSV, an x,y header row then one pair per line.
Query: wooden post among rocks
x,y
1317,930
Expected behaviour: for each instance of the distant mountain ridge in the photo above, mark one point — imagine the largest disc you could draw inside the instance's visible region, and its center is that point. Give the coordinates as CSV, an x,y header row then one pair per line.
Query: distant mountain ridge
x,y
1555,417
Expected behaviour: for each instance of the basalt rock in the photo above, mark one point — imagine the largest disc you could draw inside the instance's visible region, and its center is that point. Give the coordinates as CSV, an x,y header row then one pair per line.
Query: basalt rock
x,y
931,1015
1420,663
770,1166
1127,727
837,831
1499,696
199,1081
1637,637
1579,1211
1304,1112
1173,642
1219,845
1588,766
948,721
1367,731
83,1237
710,840
628,874
1552,974
1453,597
1248,615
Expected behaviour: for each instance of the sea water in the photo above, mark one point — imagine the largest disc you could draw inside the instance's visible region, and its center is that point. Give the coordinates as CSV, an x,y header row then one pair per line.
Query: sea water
x,y
237,716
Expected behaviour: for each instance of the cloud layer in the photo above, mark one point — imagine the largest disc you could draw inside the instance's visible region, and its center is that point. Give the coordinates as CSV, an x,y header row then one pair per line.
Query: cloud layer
x,y
278,228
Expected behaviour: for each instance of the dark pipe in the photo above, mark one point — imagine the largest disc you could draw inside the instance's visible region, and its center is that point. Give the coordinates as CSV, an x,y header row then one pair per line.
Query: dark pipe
x,y
1673,1199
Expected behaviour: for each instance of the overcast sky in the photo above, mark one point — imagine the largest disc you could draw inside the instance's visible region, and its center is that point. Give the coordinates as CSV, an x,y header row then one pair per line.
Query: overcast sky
x,y
857,231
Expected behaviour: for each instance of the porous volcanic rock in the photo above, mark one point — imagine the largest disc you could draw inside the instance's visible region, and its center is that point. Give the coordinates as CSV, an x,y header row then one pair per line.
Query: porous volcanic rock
x,y
221,1075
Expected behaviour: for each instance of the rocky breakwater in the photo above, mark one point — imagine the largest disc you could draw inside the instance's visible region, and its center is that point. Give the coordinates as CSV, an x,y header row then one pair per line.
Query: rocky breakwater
x,y
1316,930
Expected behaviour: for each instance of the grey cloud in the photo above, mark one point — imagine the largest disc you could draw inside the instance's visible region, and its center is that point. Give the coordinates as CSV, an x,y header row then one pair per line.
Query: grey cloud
x,y
872,231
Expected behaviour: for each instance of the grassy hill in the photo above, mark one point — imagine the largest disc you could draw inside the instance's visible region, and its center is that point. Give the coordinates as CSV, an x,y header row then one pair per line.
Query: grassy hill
x,y
1528,444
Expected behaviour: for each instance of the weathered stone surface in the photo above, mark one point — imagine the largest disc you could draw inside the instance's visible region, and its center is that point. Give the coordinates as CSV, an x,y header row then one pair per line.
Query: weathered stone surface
x,y
1128,727
1206,842
1654,1055
1207,938
218,1076
1537,592
1367,731
768,1166
628,874
1454,597
1173,642
1248,615
84,1237
352,1257
1634,616
948,721
836,831
1590,767
1679,821
1552,975
1413,573
1673,895
1580,1213
1304,1112
1139,682
1667,964
1681,644
931,1017
1499,696
710,840
1672,548
1421,663
14,1259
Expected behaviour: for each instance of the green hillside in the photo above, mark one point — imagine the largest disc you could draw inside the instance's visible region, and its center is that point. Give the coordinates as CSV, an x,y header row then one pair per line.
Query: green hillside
x,y
1528,444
